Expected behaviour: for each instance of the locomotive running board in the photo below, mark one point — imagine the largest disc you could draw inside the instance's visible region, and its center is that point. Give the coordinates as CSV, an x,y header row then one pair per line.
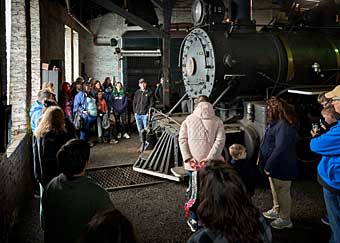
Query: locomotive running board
x,y
162,158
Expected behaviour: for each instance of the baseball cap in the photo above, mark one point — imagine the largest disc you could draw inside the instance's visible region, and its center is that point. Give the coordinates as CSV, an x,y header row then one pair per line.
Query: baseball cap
x,y
334,93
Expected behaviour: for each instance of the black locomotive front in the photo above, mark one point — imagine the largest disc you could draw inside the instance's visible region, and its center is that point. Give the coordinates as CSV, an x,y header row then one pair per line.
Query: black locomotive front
x,y
215,57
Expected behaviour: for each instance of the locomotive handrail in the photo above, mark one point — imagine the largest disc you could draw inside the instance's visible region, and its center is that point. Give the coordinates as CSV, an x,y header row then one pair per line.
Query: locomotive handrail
x,y
303,86
175,106
165,115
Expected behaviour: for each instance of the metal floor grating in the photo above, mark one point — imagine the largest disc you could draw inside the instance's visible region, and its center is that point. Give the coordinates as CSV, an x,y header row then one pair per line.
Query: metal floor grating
x,y
120,177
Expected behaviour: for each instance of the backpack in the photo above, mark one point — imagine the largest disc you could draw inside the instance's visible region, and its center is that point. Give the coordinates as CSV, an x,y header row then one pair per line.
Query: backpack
x,y
78,121
105,121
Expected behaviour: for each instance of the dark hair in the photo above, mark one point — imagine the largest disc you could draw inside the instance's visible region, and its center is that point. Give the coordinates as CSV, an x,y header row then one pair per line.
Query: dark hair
x,y
225,205
106,82
281,110
73,156
95,83
49,102
80,79
110,226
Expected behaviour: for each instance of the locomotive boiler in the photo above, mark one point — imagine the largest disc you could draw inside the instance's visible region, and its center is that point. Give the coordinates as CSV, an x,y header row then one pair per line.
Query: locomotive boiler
x,y
238,67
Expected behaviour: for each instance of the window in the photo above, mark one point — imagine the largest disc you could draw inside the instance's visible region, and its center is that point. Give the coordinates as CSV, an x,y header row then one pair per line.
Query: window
x,y
75,55
71,54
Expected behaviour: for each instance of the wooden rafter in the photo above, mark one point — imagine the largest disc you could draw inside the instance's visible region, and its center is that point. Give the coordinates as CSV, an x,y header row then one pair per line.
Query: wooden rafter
x,y
131,17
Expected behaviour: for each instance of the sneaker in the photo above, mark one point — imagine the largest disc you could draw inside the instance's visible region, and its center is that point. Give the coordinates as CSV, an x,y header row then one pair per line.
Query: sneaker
x,y
325,220
146,145
91,144
119,136
100,140
280,223
125,135
271,214
193,224
113,141
179,171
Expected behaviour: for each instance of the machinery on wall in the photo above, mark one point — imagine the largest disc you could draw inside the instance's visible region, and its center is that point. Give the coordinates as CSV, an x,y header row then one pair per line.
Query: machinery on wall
x,y
225,58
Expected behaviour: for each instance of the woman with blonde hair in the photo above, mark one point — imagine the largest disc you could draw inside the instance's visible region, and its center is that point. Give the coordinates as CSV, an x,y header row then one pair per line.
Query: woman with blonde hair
x,y
51,135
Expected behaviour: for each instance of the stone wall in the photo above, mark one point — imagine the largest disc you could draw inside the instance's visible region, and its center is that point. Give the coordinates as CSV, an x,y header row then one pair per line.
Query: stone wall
x,y
35,48
18,77
100,61
3,64
15,182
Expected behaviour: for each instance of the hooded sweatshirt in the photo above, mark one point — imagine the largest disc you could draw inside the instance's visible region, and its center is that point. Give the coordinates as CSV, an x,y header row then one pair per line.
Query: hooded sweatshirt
x,y
119,101
201,135
35,114
328,145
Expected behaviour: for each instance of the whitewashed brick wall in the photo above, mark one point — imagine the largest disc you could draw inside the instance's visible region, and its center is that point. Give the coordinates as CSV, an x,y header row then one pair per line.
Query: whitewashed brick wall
x,y
3,48
100,61
18,80
35,48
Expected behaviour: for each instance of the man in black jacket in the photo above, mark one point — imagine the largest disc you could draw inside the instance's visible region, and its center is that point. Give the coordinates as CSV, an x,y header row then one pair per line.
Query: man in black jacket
x,y
142,102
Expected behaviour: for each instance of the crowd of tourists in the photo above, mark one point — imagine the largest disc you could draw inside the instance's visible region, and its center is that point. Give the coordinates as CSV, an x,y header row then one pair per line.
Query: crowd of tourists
x,y
218,205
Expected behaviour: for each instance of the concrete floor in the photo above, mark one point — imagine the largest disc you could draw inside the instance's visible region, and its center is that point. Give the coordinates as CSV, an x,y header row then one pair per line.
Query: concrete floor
x,y
157,211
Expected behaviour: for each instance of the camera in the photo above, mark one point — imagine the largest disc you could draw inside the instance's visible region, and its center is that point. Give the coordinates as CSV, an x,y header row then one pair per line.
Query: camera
x,y
323,122
315,127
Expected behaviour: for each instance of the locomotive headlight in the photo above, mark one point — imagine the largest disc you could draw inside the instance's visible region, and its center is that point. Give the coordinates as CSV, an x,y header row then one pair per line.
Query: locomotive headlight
x,y
198,11
190,67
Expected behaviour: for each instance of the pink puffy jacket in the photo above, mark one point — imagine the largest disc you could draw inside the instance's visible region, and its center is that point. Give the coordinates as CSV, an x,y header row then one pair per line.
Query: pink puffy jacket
x,y
201,135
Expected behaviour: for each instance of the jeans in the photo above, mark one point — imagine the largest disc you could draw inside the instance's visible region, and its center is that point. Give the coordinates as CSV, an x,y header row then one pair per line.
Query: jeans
x,y
89,121
42,220
121,122
332,201
142,123
101,131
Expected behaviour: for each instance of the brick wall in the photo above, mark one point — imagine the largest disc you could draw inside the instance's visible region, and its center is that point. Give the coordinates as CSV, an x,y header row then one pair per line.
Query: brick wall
x,y
18,88
35,48
100,61
3,59
16,182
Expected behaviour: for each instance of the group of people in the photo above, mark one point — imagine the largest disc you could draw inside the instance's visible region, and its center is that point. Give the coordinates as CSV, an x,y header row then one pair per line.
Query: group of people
x,y
72,206
218,206
75,208
327,144
104,104
220,209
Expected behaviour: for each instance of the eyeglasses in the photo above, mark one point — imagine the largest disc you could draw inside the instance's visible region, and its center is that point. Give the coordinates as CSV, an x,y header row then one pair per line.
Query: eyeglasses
x,y
335,99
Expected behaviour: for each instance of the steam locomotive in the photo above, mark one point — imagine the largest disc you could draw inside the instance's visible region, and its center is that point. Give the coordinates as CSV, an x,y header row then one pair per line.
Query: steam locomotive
x,y
225,58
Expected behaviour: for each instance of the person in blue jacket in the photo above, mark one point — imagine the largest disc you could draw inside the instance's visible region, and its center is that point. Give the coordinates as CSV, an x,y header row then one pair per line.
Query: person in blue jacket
x,y
278,160
328,145
81,105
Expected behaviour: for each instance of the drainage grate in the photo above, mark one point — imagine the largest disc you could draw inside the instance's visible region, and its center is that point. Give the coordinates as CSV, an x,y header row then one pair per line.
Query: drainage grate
x,y
120,177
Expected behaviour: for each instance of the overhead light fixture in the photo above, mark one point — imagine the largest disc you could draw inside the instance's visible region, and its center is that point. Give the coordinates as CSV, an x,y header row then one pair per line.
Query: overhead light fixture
x,y
198,12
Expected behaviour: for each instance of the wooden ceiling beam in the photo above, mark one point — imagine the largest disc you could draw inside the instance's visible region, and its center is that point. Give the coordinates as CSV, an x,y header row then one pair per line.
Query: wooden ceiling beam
x,y
158,4
131,17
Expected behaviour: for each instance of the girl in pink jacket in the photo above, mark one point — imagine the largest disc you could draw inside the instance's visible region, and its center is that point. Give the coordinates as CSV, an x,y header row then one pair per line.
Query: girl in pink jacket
x,y
202,135
201,138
